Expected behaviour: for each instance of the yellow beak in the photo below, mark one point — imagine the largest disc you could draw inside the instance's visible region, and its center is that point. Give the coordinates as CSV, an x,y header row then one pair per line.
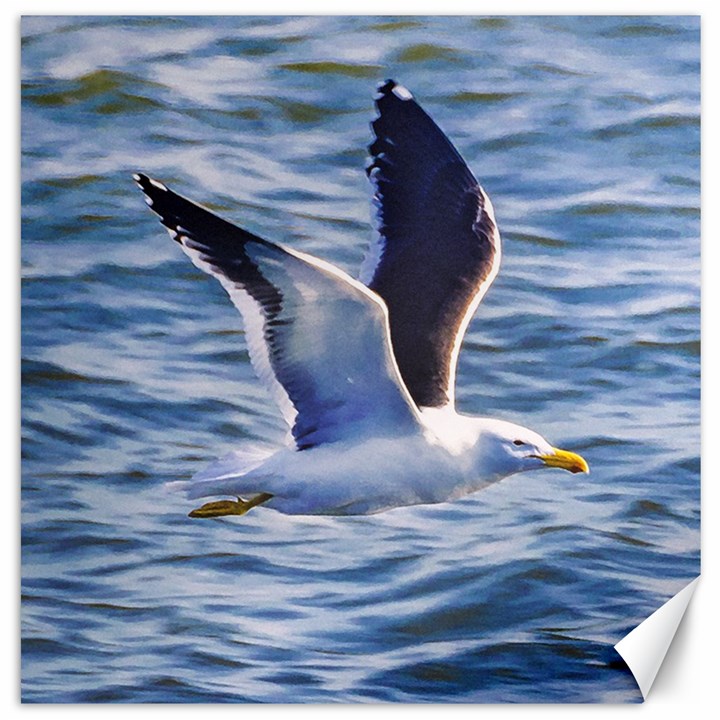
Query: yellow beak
x,y
566,460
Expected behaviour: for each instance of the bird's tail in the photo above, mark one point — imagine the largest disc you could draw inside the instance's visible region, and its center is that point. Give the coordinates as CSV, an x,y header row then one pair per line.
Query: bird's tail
x,y
232,474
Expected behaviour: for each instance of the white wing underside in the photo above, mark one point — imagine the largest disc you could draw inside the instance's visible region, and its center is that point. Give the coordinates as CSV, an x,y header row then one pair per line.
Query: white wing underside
x,y
318,339
340,340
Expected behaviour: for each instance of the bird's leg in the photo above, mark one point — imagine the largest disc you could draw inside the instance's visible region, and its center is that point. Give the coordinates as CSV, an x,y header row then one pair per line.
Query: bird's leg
x,y
220,508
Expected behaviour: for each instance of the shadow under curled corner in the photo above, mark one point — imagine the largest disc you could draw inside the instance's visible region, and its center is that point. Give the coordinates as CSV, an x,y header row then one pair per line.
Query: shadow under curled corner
x,y
644,648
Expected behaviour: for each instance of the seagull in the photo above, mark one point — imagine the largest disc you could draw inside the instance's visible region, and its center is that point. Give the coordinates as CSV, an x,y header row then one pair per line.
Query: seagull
x,y
363,371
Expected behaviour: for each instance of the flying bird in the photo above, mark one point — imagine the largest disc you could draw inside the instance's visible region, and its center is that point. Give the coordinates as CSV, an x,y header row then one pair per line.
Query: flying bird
x,y
363,371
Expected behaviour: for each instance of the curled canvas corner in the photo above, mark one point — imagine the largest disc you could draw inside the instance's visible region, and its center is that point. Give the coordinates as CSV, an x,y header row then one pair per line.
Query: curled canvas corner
x,y
645,647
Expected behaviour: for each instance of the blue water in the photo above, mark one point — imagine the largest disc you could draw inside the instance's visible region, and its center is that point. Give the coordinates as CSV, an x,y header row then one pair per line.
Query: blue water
x,y
585,133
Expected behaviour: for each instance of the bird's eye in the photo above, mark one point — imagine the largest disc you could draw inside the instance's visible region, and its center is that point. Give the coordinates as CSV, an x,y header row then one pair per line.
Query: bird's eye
x,y
518,442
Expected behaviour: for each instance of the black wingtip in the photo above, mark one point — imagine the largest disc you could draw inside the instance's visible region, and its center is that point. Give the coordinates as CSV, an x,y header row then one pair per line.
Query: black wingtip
x,y
392,90
142,181
386,86
152,189
392,101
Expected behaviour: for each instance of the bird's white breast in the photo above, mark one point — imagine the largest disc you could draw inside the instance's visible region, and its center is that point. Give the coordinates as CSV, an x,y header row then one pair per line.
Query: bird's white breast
x,y
367,477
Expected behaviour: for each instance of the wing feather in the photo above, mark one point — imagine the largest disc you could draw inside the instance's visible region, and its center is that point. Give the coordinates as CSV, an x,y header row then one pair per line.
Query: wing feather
x,y
438,246
318,338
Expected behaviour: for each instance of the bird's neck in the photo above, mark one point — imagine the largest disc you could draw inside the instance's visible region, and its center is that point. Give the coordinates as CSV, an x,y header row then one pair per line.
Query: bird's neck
x,y
455,432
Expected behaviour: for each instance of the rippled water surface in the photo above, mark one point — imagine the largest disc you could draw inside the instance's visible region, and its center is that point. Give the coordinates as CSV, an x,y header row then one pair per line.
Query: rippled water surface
x,y
585,133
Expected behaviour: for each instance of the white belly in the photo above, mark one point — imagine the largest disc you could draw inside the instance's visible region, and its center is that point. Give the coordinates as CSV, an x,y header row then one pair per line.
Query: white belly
x,y
362,479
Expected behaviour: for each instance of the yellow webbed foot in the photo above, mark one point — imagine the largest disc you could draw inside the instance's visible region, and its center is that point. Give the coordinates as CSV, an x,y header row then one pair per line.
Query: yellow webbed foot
x,y
220,508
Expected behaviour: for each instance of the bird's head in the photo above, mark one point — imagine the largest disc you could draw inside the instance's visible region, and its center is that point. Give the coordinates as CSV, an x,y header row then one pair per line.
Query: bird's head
x,y
505,448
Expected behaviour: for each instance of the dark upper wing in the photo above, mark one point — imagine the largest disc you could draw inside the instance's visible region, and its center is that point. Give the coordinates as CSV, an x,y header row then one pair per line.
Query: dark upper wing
x,y
317,337
438,248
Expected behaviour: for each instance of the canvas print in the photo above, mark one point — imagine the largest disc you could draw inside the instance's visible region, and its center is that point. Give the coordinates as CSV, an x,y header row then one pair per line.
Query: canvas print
x,y
407,407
